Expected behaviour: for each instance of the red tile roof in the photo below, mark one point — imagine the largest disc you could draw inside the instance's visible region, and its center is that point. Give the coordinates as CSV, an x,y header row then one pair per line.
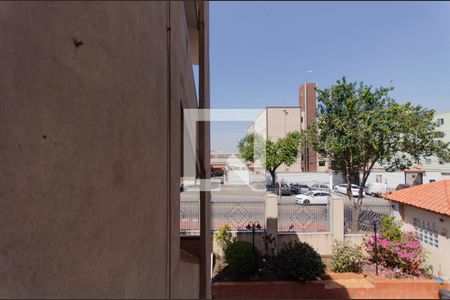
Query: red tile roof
x,y
433,196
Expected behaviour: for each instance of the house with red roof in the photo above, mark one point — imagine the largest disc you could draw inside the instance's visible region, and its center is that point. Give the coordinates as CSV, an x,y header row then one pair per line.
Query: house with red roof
x,y
425,209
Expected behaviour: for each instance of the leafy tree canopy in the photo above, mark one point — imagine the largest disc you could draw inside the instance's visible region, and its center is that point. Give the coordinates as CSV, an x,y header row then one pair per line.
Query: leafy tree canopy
x,y
284,151
359,125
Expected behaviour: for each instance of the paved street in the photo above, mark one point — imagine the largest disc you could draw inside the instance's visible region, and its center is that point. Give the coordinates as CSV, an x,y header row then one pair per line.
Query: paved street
x,y
243,193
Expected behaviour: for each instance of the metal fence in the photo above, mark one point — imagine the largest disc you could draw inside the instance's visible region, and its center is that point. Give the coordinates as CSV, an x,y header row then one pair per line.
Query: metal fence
x,y
303,218
189,216
237,215
367,215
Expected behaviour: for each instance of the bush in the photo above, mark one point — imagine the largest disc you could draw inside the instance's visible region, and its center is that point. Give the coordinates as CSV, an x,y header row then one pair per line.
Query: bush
x,y
391,229
240,258
223,237
407,256
347,257
299,261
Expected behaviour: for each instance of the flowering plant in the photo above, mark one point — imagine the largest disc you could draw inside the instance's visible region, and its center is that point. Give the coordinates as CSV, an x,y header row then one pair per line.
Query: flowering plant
x,y
408,255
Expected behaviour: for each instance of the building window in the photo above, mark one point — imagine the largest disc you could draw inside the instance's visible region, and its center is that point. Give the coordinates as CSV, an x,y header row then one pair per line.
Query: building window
x,y
441,162
321,163
301,119
379,178
427,232
428,161
440,122
432,180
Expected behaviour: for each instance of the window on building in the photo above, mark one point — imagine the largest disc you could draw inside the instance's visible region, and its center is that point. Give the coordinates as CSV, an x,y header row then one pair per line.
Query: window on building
x,y
301,119
321,163
379,178
440,122
441,162
427,232
432,180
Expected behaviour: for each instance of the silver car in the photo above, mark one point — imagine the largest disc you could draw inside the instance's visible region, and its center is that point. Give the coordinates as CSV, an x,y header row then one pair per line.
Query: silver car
x,y
319,187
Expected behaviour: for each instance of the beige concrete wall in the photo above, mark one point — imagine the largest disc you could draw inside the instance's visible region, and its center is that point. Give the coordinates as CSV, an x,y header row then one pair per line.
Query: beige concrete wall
x,y
321,242
259,126
356,239
280,121
438,257
88,149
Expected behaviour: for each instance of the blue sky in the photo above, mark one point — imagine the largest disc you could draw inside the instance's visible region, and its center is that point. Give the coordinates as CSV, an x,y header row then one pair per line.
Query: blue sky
x,y
260,52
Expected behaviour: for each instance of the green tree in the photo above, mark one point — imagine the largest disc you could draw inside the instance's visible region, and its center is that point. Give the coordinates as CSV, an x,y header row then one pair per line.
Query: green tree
x,y
284,151
359,126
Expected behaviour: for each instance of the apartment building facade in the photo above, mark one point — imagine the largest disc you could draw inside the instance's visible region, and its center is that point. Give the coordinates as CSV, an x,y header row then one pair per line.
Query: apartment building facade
x,y
90,149
275,122
433,163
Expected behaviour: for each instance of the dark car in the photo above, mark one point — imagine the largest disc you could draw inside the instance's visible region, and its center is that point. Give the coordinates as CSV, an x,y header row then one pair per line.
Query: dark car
x,y
401,186
297,188
285,190
272,188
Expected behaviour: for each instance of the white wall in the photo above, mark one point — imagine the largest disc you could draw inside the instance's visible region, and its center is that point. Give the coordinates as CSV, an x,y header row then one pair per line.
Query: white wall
x,y
391,179
427,176
438,257
305,177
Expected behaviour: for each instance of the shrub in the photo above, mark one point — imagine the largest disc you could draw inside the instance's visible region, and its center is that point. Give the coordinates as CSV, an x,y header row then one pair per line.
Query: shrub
x,y
347,257
223,237
269,243
408,255
391,229
299,261
240,258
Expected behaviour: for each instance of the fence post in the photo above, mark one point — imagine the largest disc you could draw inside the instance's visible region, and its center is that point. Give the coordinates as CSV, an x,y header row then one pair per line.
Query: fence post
x,y
272,216
337,218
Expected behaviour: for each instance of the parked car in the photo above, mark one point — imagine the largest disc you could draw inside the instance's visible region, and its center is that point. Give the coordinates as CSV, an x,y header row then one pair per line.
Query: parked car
x,y
298,188
376,189
401,186
319,187
285,190
313,197
342,188
272,188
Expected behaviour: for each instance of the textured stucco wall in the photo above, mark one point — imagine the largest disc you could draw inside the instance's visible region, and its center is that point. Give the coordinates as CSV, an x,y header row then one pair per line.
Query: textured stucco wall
x,y
85,155
438,257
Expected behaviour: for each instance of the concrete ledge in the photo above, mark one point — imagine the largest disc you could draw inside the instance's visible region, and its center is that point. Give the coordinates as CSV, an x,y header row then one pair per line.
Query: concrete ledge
x,y
189,258
342,286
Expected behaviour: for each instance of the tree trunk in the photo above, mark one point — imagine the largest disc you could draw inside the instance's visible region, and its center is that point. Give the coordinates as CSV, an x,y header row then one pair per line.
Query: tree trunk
x,y
355,213
272,173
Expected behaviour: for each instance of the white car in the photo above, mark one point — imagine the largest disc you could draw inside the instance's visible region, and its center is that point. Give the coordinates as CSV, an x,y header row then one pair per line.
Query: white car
x,y
376,189
342,188
313,197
